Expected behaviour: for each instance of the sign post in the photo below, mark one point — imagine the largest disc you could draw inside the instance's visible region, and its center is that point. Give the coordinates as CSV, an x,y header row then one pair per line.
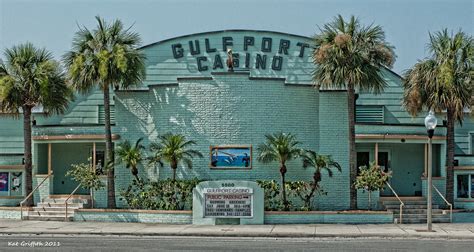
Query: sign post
x,y
227,199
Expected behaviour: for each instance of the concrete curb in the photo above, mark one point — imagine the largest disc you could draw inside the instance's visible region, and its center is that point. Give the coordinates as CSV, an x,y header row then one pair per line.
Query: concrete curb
x,y
263,235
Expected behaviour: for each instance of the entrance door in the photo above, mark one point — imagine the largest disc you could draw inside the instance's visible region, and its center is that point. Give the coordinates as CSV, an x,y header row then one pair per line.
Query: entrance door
x,y
64,155
384,162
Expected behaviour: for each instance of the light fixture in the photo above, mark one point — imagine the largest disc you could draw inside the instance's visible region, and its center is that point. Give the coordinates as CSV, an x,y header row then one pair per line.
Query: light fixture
x,y
430,123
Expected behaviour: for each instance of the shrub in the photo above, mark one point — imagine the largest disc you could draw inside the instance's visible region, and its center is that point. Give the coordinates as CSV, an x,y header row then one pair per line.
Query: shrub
x,y
371,179
300,194
271,190
160,195
86,176
305,191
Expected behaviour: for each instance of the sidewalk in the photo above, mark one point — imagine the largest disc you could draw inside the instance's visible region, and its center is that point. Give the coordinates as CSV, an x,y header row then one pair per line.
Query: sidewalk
x,y
443,231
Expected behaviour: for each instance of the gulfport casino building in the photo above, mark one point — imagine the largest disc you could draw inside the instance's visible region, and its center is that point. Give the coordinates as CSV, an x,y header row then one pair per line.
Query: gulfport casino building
x,y
188,89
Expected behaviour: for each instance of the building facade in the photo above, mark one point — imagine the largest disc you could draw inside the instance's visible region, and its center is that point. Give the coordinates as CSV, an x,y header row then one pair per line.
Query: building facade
x,y
189,90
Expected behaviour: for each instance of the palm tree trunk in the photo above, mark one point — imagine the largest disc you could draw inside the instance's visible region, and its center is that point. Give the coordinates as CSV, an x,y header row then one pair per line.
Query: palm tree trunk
x,y
352,147
27,153
314,187
174,166
109,150
135,173
283,188
450,156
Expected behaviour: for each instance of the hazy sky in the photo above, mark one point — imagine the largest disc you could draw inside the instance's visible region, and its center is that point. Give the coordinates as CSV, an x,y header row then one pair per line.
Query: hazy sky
x,y
52,23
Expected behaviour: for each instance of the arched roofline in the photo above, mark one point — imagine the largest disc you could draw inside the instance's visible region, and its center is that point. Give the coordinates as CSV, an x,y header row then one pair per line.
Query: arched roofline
x,y
223,31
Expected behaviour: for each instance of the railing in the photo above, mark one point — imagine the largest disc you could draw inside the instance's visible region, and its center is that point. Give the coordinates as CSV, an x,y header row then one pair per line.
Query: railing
x,y
447,202
70,195
401,202
31,193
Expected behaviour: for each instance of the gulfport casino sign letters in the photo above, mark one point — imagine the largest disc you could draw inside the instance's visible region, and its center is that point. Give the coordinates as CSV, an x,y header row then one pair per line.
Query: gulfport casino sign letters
x,y
244,59
233,202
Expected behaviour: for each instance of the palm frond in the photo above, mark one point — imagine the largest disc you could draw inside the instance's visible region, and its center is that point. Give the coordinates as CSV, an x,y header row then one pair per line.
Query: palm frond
x,y
30,77
104,56
444,80
348,53
173,148
279,147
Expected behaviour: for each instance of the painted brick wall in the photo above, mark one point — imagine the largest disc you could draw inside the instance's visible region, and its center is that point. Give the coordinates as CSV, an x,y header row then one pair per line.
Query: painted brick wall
x,y
10,214
363,200
168,218
44,190
100,196
329,218
10,202
334,141
464,217
234,109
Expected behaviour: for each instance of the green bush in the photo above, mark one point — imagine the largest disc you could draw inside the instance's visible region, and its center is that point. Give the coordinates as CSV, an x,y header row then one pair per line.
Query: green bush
x,y
272,197
160,195
304,191
86,176
300,194
371,179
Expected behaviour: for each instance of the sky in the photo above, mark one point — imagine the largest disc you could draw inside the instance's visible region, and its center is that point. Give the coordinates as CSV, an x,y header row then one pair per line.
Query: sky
x,y
407,23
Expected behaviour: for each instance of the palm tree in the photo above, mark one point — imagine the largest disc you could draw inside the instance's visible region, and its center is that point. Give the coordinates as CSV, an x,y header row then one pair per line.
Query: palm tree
x,y
281,148
351,56
29,78
319,163
443,82
173,149
106,56
131,155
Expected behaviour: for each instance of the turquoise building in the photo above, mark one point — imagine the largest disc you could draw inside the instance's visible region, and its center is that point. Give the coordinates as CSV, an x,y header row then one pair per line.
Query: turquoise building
x,y
189,90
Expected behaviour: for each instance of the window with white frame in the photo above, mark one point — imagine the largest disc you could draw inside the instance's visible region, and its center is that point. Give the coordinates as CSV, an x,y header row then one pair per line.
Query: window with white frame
x,y
465,186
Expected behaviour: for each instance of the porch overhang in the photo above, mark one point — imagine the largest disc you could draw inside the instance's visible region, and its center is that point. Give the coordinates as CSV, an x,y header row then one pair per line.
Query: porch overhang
x,y
75,138
396,138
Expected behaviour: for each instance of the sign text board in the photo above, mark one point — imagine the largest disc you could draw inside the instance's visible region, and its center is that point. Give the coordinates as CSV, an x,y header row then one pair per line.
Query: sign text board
x,y
228,202
227,199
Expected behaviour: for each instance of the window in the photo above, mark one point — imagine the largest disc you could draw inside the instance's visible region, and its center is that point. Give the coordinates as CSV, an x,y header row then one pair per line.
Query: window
x,y
370,114
11,183
465,186
101,116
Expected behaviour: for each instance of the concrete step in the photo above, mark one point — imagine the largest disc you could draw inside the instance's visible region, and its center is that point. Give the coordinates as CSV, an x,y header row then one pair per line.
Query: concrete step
x,y
63,200
393,202
416,211
50,204
54,208
49,213
49,218
424,215
397,206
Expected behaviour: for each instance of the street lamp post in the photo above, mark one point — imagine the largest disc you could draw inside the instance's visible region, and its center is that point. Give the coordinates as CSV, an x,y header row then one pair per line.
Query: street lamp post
x,y
430,123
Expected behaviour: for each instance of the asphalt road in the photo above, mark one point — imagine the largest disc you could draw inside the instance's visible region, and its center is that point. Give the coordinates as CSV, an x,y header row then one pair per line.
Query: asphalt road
x,y
130,243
